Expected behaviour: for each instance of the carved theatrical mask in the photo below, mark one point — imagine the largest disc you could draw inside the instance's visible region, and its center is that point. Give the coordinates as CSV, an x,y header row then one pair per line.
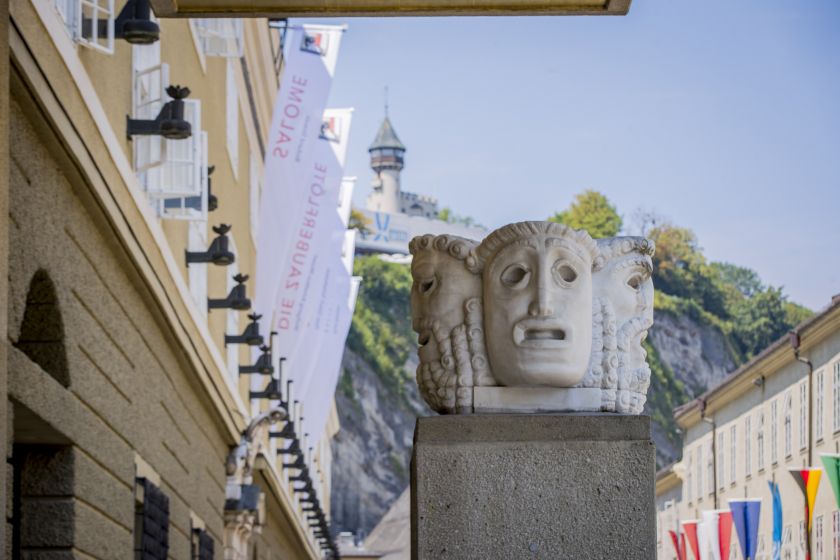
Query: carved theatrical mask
x,y
441,285
626,286
538,303
446,314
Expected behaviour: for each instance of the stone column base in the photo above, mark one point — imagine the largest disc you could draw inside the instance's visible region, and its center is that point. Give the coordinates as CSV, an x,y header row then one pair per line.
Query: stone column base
x,y
553,486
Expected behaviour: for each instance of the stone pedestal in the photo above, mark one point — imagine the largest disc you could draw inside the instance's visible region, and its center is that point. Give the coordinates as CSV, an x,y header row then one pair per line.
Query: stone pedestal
x,y
553,486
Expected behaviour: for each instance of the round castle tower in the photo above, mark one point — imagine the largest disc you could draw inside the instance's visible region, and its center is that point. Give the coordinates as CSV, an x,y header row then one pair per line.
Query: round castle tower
x,y
386,160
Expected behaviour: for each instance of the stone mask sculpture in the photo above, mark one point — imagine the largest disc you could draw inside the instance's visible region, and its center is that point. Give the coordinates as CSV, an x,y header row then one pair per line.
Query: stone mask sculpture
x,y
537,281
537,317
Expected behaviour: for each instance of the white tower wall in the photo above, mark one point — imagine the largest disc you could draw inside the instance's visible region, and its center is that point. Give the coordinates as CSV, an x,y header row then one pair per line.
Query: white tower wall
x,y
385,196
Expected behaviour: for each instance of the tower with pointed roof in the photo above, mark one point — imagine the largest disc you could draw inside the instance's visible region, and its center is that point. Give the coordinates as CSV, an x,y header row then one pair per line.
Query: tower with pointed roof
x,y
387,157
386,160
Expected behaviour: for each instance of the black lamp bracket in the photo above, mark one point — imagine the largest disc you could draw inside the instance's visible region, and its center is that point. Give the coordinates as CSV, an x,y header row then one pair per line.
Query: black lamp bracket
x,y
169,123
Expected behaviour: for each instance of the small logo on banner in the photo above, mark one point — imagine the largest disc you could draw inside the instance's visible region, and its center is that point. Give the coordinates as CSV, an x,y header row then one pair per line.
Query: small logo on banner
x,y
331,129
315,42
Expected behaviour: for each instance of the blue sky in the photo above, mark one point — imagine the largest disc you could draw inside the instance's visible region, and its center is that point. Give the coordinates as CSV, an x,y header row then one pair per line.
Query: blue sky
x,y
722,116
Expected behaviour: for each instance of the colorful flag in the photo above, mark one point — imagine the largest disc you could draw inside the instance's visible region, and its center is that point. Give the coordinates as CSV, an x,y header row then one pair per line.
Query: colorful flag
x,y
808,480
745,515
690,532
679,544
831,461
777,520
716,534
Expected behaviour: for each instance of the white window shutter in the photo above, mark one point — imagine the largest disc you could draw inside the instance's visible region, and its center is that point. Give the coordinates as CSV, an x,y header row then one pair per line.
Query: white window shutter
x,y
149,97
87,31
190,207
197,275
220,36
254,180
180,175
232,117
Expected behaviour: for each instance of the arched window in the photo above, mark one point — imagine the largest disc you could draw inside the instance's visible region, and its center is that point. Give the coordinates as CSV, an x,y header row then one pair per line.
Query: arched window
x,y
42,331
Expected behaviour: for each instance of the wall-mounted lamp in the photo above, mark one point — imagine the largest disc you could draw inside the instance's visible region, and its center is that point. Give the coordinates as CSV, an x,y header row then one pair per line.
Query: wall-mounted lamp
x,y
262,366
271,391
212,199
288,432
134,24
170,121
236,299
297,464
250,336
218,253
759,381
293,449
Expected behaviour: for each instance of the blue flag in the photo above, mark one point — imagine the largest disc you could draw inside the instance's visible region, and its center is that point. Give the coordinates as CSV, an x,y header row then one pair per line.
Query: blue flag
x,y
777,520
745,515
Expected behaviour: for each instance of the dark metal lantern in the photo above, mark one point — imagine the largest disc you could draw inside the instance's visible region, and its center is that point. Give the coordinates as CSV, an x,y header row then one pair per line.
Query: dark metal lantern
x,y
236,299
218,252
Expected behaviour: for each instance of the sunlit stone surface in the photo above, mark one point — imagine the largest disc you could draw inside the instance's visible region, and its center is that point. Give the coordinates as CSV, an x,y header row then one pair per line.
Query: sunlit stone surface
x,y
550,319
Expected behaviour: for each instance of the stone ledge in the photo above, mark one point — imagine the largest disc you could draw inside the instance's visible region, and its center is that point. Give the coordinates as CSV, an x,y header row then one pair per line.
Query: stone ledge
x,y
487,428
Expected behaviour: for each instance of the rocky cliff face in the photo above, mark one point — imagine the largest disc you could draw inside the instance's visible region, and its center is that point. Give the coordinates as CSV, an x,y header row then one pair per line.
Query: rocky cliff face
x,y
372,451
699,355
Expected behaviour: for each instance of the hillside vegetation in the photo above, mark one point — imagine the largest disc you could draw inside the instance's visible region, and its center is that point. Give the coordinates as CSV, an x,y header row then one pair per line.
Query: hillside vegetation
x,y
710,317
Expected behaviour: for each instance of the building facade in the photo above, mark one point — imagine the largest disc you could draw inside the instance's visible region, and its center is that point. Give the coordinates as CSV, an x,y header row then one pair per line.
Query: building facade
x,y
775,414
143,420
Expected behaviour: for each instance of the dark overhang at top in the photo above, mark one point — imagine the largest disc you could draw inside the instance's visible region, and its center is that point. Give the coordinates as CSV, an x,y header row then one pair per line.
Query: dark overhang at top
x,y
345,8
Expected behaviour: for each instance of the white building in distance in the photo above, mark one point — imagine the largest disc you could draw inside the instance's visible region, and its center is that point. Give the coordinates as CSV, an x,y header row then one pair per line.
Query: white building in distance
x,y
393,216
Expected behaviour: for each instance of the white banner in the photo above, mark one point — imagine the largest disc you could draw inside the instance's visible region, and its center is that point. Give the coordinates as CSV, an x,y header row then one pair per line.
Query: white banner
x,y
293,186
300,303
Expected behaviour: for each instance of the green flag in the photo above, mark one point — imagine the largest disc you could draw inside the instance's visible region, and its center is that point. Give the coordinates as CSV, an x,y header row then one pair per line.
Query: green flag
x,y
832,468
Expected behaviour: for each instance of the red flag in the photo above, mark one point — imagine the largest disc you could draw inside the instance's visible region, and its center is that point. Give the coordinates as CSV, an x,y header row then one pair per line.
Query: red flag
x,y
690,529
725,532
679,545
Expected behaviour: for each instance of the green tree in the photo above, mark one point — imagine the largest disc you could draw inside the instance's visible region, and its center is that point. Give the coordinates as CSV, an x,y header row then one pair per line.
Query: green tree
x,y
593,212
358,221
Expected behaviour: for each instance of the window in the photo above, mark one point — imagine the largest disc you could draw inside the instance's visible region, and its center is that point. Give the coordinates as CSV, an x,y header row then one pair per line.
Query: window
x,y
835,425
699,478
748,446
760,440
788,424
803,415
819,545
89,22
818,407
172,172
689,473
219,36
151,522
254,190
197,275
802,535
710,468
733,454
835,525
232,319
774,431
721,456
787,542
232,117
201,545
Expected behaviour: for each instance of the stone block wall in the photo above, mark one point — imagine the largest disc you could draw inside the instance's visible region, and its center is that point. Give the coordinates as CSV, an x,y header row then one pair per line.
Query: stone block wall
x,y
123,390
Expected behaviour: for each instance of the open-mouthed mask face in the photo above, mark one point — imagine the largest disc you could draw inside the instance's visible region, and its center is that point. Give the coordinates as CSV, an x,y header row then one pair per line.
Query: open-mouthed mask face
x,y
538,311
441,286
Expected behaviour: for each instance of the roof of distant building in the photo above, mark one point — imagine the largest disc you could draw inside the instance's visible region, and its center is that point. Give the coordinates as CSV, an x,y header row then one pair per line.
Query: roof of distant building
x,y
386,137
392,536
